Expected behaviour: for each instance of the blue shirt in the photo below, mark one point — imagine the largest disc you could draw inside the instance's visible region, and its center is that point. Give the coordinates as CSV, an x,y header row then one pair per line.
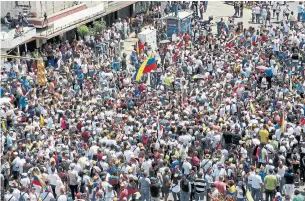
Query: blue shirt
x,y
22,102
12,74
300,9
174,164
300,88
116,63
76,68
80,76
9,140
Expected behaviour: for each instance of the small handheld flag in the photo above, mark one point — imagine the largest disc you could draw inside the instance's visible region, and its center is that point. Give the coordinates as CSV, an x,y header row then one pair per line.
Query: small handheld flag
x,y
139,46
283,122
3,124
181,43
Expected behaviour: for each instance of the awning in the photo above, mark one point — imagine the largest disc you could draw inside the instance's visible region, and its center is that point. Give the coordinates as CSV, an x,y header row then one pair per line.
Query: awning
x,y
82,17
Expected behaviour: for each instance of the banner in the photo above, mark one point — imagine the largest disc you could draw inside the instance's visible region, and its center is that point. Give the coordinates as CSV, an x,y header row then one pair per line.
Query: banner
x,y
41,73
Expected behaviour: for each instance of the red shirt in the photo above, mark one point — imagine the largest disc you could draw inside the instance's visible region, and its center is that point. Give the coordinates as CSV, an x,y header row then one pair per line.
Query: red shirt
x,y
86,135
221,186
99,156
123,194
79,125
186,38
196,161
144,138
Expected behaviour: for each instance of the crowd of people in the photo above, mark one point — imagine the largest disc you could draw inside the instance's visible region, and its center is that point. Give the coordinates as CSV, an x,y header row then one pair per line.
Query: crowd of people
x,y
221,117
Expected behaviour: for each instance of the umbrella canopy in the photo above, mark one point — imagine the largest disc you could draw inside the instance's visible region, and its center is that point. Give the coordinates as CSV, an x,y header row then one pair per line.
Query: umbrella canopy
x,y
199,76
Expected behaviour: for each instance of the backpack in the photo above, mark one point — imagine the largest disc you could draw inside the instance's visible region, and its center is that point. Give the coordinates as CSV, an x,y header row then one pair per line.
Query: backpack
x,y
21,198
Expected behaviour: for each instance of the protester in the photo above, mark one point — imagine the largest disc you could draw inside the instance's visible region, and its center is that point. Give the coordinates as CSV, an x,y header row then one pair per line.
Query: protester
x,y
215,117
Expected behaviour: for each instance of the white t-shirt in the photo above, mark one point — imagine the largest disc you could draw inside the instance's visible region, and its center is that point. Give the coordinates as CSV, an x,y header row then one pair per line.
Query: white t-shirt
x,y
281,171
53,178
206,164
187,167
9,197
25,182
256,180
62,198
20,164
146,165
217,173
46,196
239,192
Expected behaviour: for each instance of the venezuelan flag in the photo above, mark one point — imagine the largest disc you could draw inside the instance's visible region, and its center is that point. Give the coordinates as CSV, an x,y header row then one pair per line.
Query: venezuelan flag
x,y
231,43
254,40
148,65
113,180
241,38
131,190
37,181
283,122
181,43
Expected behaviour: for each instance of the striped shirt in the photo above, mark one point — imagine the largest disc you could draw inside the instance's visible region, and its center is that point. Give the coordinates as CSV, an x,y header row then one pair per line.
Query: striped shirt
x,y
200,185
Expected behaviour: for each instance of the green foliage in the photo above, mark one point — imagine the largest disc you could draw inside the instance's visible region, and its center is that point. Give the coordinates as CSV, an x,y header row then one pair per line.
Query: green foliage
x,y
98,26
83,30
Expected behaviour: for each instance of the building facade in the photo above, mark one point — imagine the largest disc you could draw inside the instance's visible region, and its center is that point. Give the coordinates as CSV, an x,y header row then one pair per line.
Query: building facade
x,y
49,19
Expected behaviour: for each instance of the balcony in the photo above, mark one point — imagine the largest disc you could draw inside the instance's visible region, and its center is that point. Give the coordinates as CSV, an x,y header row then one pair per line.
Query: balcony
x,y
9,41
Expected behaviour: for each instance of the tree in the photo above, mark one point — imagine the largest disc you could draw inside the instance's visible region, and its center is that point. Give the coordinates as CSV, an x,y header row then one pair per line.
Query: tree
x,y
83,30
99,26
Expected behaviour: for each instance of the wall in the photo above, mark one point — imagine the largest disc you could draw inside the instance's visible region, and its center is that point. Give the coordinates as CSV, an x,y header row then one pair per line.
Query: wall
x,y
124,12
9,44
39,7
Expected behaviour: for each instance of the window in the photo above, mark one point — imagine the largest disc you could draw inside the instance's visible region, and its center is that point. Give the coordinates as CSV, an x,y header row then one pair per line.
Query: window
x,y
25,4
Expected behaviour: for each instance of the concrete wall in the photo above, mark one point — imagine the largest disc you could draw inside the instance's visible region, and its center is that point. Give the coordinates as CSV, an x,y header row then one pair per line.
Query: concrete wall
x,y
124,12
38,7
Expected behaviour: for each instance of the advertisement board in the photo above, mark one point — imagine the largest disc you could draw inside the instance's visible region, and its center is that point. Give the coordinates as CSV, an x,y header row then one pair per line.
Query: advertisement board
x,y
172,26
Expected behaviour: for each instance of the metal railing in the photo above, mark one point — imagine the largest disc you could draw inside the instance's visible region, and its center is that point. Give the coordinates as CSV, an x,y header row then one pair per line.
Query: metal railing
x,y
54,8
53,30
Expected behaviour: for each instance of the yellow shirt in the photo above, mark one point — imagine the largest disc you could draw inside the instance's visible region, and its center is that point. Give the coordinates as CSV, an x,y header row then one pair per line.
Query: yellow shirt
x,y
264,134
270,182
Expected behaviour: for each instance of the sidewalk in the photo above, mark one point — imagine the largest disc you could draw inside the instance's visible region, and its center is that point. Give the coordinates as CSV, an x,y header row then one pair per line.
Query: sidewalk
x,y
130,41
